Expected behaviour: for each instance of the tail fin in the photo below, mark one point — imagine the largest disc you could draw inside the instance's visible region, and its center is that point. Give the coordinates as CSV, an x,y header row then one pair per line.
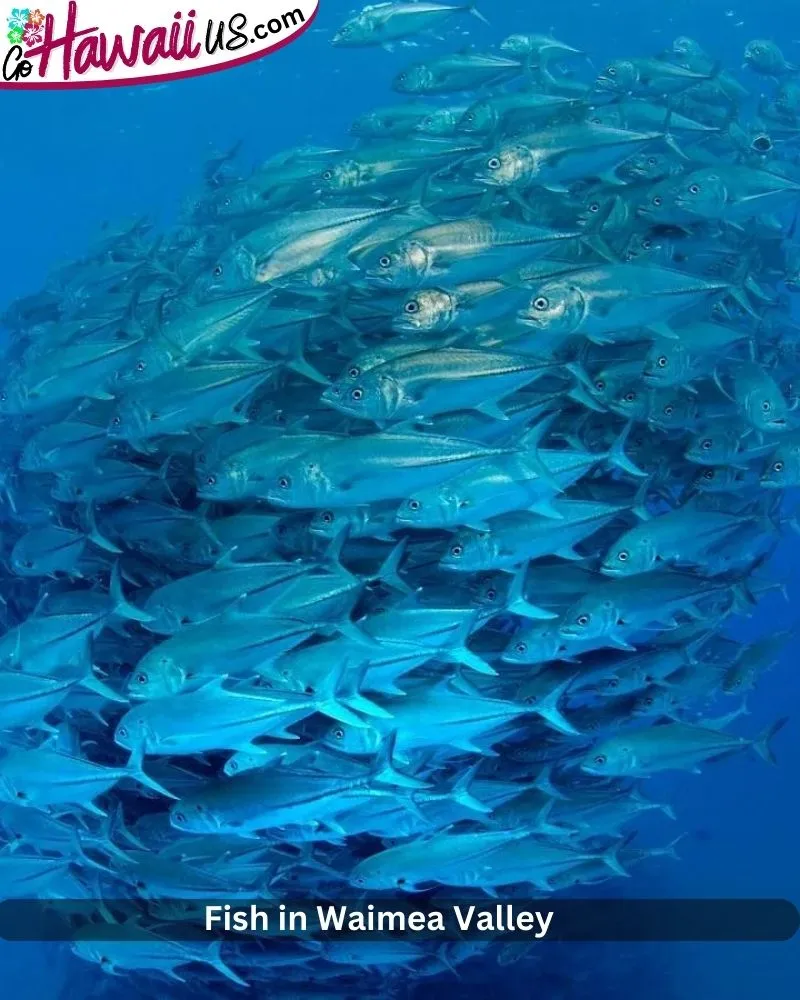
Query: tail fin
x,y
611,857
215,959
476,13
384,771
548,709
389,572
762,744
122,606
618,458
136,770
95,535
460,792
519,604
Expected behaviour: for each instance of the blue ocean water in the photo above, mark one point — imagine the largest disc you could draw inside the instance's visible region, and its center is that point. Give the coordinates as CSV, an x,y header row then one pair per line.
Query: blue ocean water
x,y
71,161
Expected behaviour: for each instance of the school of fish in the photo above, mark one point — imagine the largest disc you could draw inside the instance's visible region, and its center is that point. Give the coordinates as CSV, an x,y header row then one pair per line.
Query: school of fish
x,y
379,528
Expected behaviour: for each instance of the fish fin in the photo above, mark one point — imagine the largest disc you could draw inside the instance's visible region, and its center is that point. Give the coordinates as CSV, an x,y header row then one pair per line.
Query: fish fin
x,y
384,771
568,552
548,709
460,792
136,770
215,959
662,330
355,633
349,694
491,409
122,606
95,535
476,13
611,857
763,744
389,572
617,457
519,604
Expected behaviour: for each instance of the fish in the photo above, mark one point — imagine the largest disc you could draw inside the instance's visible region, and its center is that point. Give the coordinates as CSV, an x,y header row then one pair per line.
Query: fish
x,y
381,519
384,23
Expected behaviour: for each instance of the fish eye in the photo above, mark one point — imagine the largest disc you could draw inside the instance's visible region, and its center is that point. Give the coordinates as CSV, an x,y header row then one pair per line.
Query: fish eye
x,y
540,303
211,480
613,682
762,144
327,517
669,409
123,732
647,244
414,505
777,466
456,550
600,759
226,202
521,647
629,397
385,261
582,620
26,564
648,702
142,678
116,421
611,71
594,207
658,200
706,445
599,385
766,406
357,394
338,733
651,161
412,306
401,881
469,117
140,366
218,271
623,555
491,594
181,817
493,163
284,483
708,474
596,121
662,361
327,175
233,765
694,189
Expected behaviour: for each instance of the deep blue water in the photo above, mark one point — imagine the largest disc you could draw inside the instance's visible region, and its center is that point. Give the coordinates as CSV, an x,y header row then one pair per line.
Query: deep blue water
x,y
70,161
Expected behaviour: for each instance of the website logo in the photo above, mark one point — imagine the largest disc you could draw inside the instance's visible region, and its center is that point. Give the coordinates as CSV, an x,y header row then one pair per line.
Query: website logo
x,y
93,43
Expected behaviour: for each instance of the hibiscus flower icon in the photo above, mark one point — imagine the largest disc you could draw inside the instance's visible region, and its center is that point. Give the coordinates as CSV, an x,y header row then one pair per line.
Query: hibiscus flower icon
x,y
18,18
33,34
36,18
15,36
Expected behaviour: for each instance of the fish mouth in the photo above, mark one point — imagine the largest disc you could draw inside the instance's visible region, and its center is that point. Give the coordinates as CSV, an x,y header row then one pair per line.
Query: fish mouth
x,y
604,84
530,321
380,276
488,180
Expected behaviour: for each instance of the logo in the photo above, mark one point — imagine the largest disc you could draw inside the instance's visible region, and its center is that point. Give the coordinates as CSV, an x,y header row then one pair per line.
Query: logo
x,y
91,43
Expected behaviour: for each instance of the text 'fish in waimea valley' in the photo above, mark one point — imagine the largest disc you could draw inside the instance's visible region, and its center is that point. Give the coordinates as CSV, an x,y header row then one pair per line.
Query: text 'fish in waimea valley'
x,y
380,527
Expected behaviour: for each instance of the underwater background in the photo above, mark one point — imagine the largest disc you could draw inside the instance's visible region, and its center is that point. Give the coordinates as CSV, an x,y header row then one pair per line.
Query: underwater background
x,y
70,161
